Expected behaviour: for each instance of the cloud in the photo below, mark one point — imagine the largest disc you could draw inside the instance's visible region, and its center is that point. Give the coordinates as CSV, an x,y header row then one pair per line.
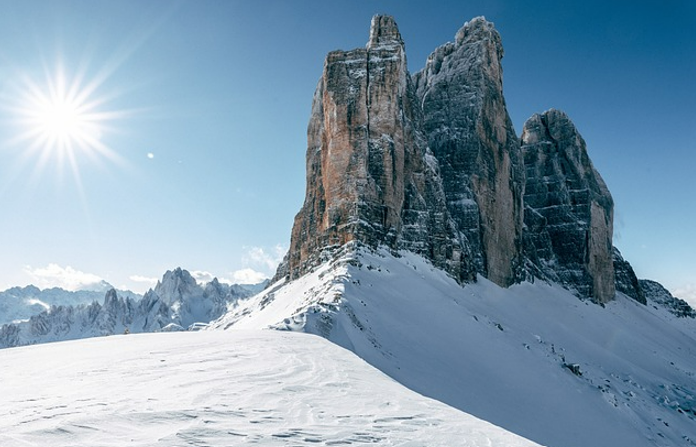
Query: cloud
x,y
248,276
145,279
66,278
203,277
260,264
687,292
261,258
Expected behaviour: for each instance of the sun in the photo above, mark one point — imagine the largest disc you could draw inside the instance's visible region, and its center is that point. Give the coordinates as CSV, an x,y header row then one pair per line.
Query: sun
x,y
62,115
62,119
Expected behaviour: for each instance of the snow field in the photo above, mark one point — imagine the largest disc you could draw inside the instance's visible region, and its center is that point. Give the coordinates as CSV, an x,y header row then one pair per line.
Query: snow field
x,y
218,388
504,355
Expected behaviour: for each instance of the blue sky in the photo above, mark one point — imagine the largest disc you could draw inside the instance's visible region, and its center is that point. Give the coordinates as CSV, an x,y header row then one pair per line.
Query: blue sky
x,y
198,113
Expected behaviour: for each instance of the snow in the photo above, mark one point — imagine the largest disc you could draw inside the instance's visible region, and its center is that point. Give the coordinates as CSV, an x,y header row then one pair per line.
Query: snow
x,y
218,388
532,359
21,303
504,355
178,302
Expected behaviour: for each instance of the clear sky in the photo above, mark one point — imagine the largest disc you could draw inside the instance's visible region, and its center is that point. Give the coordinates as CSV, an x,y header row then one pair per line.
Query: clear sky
x,y
185,136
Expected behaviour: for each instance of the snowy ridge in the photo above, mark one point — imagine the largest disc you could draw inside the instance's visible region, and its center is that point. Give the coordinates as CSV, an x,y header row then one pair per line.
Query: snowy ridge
x,y
219,389
532,359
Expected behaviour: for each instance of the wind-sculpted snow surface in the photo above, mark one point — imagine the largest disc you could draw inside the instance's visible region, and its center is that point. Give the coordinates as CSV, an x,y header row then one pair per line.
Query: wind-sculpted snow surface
x,y
532,359
218,389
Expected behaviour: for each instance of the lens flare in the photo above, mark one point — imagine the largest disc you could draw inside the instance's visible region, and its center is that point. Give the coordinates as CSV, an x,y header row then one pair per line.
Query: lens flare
x,y
61,121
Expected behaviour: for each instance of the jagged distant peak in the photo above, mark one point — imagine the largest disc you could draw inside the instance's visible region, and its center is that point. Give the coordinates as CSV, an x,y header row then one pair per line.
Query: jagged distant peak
x,y
178,273
177,276
111,295
26,290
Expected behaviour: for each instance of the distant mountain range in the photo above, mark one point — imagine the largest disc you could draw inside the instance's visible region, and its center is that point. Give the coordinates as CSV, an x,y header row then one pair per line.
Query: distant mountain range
x,y
20,303
177,302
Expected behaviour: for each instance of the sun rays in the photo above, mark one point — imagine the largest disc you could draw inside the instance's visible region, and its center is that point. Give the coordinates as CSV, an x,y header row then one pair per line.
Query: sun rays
x,y
61,121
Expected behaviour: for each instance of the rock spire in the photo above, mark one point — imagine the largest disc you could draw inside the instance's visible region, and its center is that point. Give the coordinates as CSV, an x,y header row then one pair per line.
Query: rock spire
x,y
471,134
568,208
431,163
370,174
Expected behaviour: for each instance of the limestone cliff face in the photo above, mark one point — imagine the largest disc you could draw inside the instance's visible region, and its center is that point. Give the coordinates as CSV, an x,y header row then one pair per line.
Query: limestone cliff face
x,y
568,209
471,134
370,174
482,201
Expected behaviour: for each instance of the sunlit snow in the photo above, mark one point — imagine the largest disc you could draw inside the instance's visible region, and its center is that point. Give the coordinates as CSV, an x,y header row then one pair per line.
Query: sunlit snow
x,y
533,359
218,388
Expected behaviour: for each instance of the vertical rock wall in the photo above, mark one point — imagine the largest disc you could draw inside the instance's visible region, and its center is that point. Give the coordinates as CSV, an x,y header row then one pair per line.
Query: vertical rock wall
x,y
480,202
471,134
626,280
370,175
568,209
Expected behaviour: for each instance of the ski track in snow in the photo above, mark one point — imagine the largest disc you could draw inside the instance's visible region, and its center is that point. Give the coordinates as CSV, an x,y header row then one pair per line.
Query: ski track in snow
x,y
218,388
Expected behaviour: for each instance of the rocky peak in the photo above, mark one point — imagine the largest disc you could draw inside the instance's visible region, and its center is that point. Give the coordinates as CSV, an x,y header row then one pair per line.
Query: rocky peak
x,y
110,298
656,294
384,32
176,284
470,132
568,208
370,175
431,163
479,29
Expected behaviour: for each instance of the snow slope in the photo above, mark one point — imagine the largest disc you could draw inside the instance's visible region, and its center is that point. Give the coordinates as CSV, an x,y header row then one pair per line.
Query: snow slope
x,y
218,388
533,359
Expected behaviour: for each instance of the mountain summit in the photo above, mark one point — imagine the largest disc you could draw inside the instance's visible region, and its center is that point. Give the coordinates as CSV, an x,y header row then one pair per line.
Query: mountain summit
x,y
450,253
431,163
370,175
470,132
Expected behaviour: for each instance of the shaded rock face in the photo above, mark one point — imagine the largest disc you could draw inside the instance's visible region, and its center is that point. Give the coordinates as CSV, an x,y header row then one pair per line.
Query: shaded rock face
x,y
625,278
370,175
568,209
471,134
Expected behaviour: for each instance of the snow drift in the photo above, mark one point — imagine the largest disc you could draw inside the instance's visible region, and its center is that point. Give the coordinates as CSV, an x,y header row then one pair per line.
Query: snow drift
x,y
533,358
218,389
